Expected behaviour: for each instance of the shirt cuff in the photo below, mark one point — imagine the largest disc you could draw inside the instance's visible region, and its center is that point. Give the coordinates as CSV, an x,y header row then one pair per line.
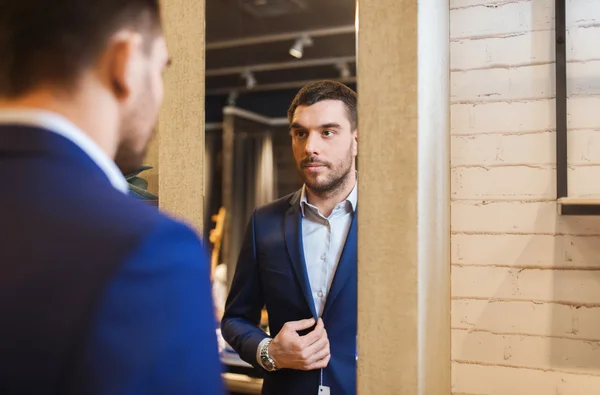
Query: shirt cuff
x,y
260,346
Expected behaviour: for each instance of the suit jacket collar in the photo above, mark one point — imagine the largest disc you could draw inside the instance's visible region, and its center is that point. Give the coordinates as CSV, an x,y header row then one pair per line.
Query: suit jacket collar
x,y
352,198
295,198
52,123
19,140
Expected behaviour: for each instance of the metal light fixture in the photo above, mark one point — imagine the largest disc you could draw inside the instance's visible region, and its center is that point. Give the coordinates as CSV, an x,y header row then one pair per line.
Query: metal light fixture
x,y
344,70
232,98
297,50
250,79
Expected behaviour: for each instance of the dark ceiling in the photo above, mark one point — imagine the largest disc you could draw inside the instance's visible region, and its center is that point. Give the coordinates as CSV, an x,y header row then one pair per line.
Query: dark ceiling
x,y
256,35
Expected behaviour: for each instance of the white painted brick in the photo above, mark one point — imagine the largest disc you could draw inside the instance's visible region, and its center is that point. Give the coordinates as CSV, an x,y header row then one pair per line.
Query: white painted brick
x,y
503,115
579,42
521,182
499,380
504,18
492,117
583,113
575,7
454,4
583,146
524,49
527,149
531,82
526,116
518,217
517,16
584,181
515,182
497,149
526,351
529,318
572,286
522,83
545,251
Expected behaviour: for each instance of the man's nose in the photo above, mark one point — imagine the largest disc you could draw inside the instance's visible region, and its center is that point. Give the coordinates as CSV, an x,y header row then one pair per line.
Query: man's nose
x,y
312,143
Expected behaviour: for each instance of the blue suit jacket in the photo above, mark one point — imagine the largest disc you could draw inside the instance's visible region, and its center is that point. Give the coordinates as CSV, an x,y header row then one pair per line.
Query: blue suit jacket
x,y
271,271
99,293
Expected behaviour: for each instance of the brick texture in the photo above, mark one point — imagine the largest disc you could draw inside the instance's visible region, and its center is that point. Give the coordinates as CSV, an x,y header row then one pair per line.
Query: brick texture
x,y
525,281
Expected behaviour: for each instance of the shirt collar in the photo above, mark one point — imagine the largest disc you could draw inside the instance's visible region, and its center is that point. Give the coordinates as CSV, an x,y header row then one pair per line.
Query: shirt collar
x,y
57,124
352,198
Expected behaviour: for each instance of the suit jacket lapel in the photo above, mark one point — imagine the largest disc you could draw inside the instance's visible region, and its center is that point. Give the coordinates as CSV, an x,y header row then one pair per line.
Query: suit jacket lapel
x,y
293,241
347,267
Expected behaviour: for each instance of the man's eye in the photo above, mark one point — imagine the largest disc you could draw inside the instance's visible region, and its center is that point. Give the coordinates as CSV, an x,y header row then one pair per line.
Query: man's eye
x,y
327,133
300,134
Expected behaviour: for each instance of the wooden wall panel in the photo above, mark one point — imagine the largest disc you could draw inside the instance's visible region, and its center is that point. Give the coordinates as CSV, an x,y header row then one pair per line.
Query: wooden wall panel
x,y
403,225
181,121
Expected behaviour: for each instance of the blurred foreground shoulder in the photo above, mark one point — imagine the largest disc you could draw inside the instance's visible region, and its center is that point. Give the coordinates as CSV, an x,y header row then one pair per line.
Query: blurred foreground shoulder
x,y
154,332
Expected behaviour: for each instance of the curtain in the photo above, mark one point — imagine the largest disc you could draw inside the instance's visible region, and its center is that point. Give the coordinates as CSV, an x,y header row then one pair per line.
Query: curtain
x,y
266,175
254,184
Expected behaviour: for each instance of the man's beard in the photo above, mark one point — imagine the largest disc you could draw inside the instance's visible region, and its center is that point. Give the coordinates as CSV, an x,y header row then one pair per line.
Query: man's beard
x,y
128,159
131,151
333,181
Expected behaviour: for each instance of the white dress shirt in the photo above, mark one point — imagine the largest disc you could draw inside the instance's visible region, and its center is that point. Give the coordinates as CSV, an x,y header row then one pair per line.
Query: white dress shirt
x,y
323,239
55,123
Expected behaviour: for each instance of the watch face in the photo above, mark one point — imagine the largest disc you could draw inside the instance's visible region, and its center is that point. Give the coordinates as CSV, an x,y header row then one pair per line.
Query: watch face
x,y
269,365
267,362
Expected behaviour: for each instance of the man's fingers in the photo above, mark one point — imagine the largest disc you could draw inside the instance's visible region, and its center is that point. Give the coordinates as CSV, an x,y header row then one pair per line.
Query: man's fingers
x,y
317,346
300,325
319,354
314,336
322,364
311,351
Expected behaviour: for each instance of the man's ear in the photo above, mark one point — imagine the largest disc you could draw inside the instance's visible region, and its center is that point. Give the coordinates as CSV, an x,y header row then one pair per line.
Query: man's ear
x,y
355,143
120,62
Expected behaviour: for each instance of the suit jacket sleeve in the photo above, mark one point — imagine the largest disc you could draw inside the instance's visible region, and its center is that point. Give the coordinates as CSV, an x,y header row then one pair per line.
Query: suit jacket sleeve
x,y
155,331
241,319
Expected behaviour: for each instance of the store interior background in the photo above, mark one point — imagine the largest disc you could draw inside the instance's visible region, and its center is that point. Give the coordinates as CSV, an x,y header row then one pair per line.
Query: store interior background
x,y
251,79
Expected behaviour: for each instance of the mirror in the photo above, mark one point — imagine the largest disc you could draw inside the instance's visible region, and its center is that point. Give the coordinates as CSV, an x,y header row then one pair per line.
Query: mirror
x,y
259,54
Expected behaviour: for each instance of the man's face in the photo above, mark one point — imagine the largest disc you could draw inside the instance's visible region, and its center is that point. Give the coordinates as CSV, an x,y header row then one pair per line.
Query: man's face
x,y
139,111
324,145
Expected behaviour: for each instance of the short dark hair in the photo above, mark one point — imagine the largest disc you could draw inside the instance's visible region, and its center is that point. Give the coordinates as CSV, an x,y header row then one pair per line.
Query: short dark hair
x,y
318,91
44,41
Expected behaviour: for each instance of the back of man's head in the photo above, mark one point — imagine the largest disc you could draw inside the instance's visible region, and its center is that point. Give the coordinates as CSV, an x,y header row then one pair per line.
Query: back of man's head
x,y
54,41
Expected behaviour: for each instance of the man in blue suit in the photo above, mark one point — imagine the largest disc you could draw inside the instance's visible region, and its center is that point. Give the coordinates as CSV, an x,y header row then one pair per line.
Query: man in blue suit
x,y
298,259
99,293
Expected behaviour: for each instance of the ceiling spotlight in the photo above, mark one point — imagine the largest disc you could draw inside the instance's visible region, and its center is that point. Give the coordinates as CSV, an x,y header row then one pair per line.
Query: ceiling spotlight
x,y
297,50
232,98
250,80
344,70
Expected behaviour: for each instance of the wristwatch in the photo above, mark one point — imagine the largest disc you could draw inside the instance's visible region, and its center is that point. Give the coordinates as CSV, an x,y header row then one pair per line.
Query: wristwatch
x,y
267,361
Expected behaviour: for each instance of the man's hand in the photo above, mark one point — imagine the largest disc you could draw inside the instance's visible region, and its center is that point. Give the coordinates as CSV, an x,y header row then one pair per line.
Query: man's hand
x,y
308,352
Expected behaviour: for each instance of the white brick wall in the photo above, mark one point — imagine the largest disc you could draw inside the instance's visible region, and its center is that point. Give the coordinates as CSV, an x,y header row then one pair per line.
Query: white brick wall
x,y
525,281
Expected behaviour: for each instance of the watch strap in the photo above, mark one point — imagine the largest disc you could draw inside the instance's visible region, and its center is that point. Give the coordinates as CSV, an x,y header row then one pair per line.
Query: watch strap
x,y
267,361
